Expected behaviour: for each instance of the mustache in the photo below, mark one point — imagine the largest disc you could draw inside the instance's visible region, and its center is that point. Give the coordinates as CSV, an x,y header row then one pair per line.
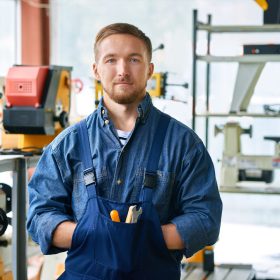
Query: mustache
x,y
122,80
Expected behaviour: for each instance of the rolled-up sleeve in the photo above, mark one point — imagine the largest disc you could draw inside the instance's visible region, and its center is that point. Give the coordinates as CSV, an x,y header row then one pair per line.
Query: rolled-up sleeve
x,y
198,201
49,202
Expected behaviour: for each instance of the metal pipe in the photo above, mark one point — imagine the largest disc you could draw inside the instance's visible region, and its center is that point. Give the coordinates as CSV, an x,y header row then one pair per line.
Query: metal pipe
x,y
18,220
194,68
207,83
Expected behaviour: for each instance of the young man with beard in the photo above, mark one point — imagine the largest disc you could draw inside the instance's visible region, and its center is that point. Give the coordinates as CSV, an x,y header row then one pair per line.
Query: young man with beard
x,y
126,154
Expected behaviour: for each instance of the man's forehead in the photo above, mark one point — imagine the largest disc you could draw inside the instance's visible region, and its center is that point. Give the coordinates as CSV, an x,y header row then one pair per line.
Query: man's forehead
x,y
123,41
121,36
117,44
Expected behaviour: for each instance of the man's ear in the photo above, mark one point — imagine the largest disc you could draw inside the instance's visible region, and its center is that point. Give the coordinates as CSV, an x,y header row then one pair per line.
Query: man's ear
x,y
95,71
151,70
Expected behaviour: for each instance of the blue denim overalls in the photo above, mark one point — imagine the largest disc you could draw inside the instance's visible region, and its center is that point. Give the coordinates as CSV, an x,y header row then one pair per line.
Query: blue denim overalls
x,y
107,250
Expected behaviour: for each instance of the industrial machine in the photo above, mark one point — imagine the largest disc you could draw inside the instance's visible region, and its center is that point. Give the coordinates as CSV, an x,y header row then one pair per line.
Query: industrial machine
x,y
37,105
157,84
238,167
98,92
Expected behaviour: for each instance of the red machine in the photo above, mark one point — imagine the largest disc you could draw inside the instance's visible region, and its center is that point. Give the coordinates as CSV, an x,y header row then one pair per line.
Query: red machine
x,y
25,86
37,99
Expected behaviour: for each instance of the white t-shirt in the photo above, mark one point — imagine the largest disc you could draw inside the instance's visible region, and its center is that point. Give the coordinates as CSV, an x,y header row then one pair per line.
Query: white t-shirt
x,y
123,136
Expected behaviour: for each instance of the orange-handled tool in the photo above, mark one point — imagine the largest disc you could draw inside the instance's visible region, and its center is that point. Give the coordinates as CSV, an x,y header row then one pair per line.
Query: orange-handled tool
x,y
114,214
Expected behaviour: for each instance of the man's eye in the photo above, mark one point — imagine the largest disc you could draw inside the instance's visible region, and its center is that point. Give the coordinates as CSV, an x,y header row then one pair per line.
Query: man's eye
x,y
111,60
134,60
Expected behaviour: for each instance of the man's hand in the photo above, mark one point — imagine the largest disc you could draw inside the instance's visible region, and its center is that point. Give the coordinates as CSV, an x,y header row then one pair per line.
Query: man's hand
x,y
62,237
172,238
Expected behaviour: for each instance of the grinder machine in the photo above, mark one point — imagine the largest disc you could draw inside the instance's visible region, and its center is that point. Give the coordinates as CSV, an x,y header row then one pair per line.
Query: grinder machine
x,y
37,105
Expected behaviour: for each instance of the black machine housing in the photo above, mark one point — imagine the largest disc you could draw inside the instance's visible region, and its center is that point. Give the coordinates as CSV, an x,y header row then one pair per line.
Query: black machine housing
x,y
31,120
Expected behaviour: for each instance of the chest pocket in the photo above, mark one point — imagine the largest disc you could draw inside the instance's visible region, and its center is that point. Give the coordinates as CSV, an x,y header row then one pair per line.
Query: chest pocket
x,y
80,196
163,191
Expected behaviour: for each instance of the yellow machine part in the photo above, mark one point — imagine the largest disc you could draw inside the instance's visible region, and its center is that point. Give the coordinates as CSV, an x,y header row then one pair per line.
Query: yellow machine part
x,y
98,91
198,256
155,83
263,4
32,141
64,89
27,141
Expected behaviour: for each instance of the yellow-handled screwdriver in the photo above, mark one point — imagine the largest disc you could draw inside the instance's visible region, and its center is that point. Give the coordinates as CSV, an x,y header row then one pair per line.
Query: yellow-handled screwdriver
x,y
114,214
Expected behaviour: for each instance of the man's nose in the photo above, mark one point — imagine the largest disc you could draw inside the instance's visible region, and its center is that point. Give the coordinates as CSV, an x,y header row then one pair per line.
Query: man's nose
x,y
122,68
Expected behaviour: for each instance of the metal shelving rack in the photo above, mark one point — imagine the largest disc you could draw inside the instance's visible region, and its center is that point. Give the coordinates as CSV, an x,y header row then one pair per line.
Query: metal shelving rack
x,y
208,59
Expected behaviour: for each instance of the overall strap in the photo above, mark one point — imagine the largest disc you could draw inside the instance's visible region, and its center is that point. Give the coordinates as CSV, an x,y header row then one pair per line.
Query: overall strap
x,y
150,177
85,153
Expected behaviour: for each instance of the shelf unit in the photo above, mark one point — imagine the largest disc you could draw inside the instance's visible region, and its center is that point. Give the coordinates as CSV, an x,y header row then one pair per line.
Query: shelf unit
x,y
208,59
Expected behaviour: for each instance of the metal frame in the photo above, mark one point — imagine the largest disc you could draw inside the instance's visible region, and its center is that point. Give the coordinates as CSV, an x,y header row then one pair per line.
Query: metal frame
x,y
208,58
18,165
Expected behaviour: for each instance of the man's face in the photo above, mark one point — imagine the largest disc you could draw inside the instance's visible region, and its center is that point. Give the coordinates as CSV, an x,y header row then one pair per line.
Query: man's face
x,y
123,67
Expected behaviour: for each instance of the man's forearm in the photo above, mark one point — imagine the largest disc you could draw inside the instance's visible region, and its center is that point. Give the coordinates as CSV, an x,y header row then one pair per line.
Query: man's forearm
x,y
172,238
62,237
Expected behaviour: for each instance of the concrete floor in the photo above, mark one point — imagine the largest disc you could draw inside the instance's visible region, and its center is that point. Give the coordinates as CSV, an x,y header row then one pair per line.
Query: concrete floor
x,y
250,244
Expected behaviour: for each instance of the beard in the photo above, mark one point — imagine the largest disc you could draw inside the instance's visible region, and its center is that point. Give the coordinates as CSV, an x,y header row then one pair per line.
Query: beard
x,y
122,95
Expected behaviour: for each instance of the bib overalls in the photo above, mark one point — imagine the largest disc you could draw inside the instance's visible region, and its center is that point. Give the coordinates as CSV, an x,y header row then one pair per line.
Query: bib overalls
x,y
103,249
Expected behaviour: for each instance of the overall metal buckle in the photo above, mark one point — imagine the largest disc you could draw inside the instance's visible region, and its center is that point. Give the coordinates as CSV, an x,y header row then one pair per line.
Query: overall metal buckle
x,y
89,177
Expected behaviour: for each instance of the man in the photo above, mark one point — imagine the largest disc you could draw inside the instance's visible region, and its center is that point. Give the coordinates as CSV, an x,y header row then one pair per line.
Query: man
x,y
126,154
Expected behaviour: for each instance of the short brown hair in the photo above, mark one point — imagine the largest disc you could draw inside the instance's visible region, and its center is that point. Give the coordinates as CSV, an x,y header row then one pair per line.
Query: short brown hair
x,y
123,28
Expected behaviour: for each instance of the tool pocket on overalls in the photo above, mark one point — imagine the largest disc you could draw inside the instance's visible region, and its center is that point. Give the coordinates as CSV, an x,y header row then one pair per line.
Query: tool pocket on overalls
x,y
116,243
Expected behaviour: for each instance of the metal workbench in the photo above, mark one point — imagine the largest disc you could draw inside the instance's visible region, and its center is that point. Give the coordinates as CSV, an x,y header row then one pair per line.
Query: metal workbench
x,y
221,272
18,164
